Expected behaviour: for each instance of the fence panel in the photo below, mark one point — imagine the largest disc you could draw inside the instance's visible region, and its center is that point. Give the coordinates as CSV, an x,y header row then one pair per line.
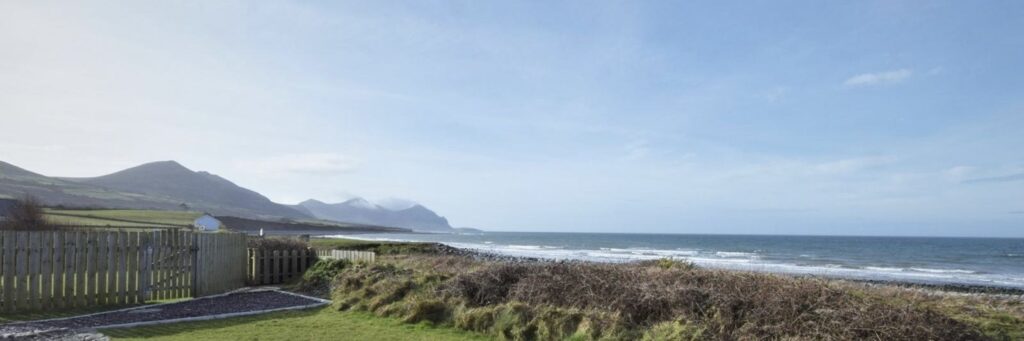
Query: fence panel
x,y
267,267
48,270
220,263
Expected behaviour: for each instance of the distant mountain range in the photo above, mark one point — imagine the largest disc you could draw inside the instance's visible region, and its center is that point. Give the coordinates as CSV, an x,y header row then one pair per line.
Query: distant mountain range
x,y
361,211
167,185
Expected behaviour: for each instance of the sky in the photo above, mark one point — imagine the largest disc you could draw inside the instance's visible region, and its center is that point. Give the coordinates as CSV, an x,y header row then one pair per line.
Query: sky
x,y
748,117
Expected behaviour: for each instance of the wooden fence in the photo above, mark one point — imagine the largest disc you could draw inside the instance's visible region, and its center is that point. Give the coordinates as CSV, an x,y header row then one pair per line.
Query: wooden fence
x,y
278,266
47,270
220,263
364,256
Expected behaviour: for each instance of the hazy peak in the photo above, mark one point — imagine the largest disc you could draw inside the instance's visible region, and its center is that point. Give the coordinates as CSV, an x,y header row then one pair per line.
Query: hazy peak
x,y
361,203
312,202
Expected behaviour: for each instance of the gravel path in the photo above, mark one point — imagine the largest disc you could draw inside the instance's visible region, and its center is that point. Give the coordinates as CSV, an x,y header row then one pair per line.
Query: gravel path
x,y
241,302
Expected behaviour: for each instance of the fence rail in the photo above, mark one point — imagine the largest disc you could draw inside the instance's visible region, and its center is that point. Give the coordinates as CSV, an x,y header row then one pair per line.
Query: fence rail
x,y
352,255
47,270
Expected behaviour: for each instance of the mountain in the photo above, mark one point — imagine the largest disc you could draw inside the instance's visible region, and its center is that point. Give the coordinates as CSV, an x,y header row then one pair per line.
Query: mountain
x,y
361,211
16,182
164,185
200,190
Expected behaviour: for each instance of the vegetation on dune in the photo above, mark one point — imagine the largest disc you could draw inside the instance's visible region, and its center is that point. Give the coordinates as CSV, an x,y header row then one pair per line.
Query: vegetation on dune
x,y
657,300
317,279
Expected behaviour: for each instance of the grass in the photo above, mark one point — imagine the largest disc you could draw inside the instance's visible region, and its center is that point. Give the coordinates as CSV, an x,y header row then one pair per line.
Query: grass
x,y
123,217
320,324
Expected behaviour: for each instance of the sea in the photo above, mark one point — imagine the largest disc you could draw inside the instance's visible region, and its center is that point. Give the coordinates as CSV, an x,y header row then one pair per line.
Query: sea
x,y
994,262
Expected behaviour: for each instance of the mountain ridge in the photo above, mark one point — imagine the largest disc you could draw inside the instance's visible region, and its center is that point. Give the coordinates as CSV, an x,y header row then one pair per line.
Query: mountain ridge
x,y
359,210
161,185
169,185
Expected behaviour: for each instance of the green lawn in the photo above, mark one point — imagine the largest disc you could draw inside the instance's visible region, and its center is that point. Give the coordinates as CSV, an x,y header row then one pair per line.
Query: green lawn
x,y
122,217
318,324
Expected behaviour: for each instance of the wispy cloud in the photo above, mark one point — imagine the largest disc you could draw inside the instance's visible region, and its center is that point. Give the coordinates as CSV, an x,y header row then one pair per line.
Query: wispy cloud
x,y
1005,178
875,78
307,163
853,164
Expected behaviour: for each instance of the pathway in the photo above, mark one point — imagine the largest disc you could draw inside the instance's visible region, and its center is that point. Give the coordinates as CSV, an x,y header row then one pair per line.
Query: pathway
x,y
248,302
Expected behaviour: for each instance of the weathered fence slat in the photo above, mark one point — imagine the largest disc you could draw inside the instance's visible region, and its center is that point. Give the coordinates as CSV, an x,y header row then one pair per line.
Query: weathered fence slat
x,y
9,271
58,270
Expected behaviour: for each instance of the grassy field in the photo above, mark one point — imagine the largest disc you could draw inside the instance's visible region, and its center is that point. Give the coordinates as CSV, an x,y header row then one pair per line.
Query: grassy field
x,y
320,324
122,217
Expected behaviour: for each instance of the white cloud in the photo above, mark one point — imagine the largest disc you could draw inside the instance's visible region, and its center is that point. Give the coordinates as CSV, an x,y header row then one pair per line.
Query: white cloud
x,y
853,164
874,78
774,94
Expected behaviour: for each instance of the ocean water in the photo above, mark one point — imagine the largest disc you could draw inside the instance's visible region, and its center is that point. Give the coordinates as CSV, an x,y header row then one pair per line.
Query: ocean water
x,y
967,261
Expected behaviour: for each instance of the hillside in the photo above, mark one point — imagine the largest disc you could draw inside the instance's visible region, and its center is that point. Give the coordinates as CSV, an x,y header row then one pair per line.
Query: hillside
x,y
361,211
163,185
16,182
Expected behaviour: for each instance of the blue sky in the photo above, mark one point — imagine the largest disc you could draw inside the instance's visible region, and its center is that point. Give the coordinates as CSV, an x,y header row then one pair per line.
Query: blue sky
x,y
803,117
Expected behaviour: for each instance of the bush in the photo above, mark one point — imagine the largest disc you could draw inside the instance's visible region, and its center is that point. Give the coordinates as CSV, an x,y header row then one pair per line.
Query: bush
x,y
26,214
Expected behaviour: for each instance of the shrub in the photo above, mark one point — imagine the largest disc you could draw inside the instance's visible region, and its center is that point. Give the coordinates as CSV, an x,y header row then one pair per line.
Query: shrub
x,y
26,214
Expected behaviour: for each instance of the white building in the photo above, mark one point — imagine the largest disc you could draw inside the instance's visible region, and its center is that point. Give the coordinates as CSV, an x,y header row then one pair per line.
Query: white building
x,y
207,223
